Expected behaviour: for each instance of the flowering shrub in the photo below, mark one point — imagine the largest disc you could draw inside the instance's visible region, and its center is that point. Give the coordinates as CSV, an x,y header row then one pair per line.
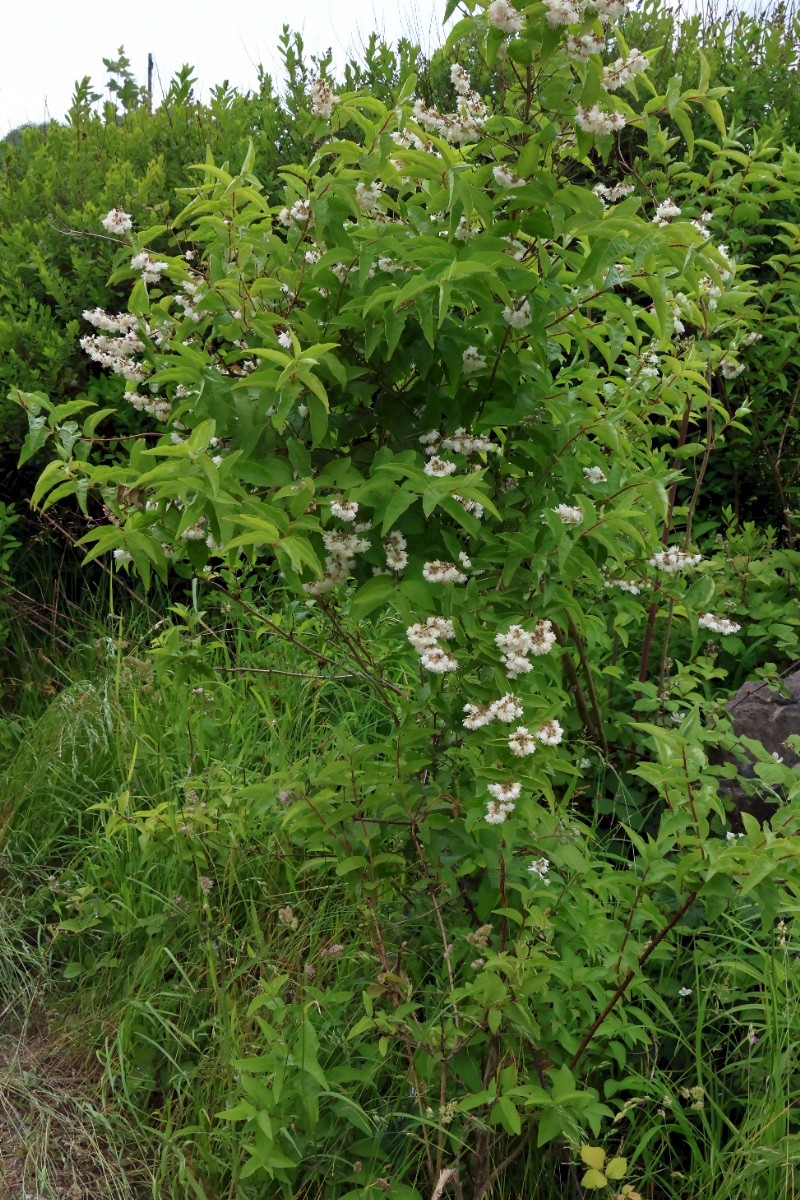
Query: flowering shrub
x,y
449,394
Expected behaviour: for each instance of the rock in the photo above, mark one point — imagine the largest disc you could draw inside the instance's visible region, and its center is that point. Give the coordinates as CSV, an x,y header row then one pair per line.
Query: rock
x,y
762,713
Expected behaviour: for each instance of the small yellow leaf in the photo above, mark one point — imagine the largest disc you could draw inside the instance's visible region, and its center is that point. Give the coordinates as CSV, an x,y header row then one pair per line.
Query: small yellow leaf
x,y
593,1179
616,1168
593,1156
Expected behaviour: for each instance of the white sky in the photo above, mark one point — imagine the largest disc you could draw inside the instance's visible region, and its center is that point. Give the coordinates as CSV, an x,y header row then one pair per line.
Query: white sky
x,y
45,45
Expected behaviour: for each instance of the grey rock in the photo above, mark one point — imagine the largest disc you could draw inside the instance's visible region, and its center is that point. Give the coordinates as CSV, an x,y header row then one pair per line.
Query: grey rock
x,y
764,714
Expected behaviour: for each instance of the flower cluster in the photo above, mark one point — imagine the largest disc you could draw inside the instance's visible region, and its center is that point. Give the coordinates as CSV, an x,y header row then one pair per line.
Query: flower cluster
x,y
673,560
299,214
595,120
595,474
118,354
507,709
569,514
518,643
624,70
502,803
345,510
466,124
322,98
151,268
473,361
117,221
580,47
609,195
666,210
540,867
439,571
718,624
505,17
506,177
342,550
518,316
368,197
395,547
425,639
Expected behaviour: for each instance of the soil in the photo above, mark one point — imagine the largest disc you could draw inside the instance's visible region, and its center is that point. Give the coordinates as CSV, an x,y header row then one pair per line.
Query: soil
x,y
55,1143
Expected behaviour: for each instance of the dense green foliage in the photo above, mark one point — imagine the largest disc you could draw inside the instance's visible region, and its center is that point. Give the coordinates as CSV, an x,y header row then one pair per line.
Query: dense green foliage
x,y
375,841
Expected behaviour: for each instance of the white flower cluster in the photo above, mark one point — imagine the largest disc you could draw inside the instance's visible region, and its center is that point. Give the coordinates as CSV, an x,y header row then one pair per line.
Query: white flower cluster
x,y
300,213
395,546
117,221
507,709
609,195
502,803
439,467
117,354
322,98
425,640
595,474
188,300
368,197
151,268
439,571
718,624
540,867
624,70
666,210
463,126
518,644
569,514
730,369
345,510
196,532
522,742
595,120
473,361
672,560
624,585
506,177
518,316
342,550
580,47
505,17
155,405
608,10
562,12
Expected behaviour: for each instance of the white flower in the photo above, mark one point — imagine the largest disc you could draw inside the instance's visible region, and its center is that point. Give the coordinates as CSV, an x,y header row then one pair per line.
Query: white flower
x,y
684,991
117,221
151,268
609,195
540,867
582,46
122,557
595,120
569,514
506,792
440,466
367,197
504,16
285,339
300,212
438,660
550,734
395,548
507,709
345,510
507,178
718,624
543,638
424,636
673,560
730,370
624,585
521,742
518,316
624,70
561,12
595,474
497,811
322,98
438,571
665,211
472,360
477,716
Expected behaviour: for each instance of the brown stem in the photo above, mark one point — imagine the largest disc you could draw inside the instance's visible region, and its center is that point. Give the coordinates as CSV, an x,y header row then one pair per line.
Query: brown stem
x,y
587,671
625,983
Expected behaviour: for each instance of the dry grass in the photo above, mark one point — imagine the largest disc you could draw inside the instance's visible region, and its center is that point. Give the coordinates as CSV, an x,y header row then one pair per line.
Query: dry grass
x,y
55,1143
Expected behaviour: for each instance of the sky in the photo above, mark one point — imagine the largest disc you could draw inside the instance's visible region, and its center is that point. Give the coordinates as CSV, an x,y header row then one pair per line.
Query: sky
x,y
45,45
